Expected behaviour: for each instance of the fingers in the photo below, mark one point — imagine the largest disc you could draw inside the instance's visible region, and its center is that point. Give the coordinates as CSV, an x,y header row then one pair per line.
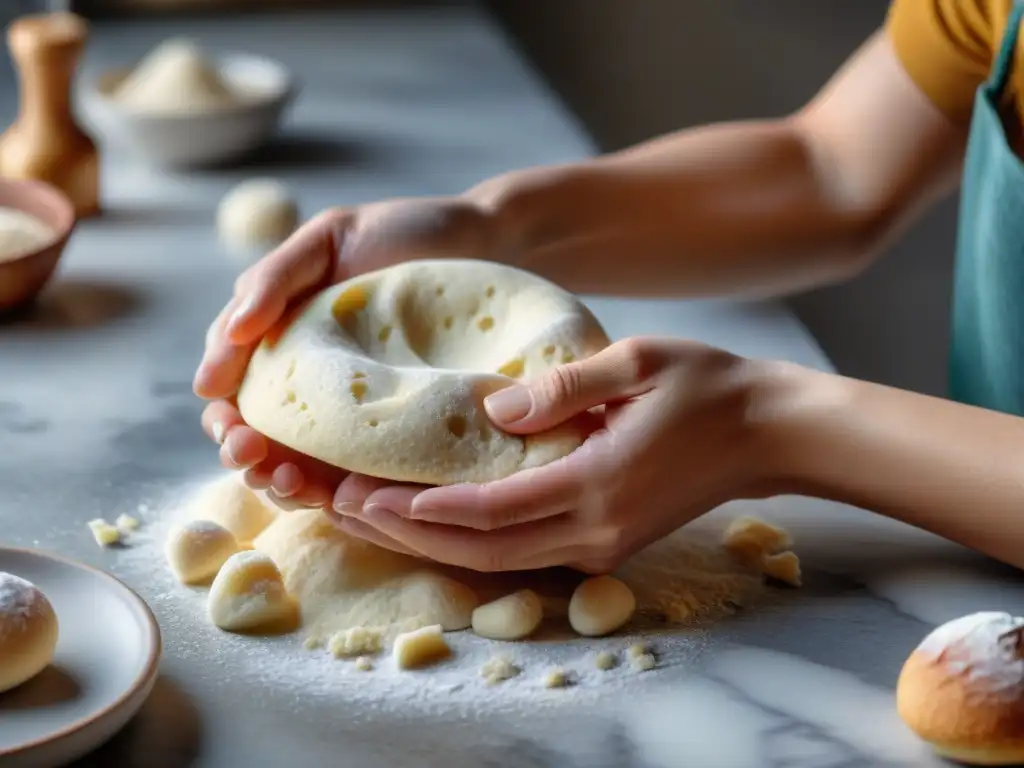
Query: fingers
x,y
366,532
300,264
619,372
540,544
219,418
527,496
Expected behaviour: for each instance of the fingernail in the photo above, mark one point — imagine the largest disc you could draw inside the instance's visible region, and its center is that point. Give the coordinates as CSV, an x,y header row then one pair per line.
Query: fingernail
x,y
243,310
375,510
509,404
218,433
233,459
346,509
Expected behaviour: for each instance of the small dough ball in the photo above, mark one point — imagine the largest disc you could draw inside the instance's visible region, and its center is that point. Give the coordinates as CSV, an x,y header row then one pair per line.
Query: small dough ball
x,y
28,631
364,664
962,689
605,660
600,605
511,617
747,538
644,662
248,594
356,641
420,648
229,502
197,550
784,567
498,669
256,214
556,678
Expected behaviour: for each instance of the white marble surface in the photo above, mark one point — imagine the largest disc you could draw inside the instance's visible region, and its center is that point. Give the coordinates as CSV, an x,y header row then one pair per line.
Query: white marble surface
x,y
96,416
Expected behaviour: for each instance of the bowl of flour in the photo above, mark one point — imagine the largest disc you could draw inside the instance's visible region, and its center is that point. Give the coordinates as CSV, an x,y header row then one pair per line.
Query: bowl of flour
x,y
36,221
182,107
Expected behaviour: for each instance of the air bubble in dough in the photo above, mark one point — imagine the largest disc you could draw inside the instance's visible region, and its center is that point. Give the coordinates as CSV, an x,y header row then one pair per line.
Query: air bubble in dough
x,y
256,214
230,503
249,594
28,631
600,605
511,617
197,549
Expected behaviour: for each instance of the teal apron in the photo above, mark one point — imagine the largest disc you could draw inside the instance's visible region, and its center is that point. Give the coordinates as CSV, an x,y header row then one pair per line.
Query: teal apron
x,y
987,333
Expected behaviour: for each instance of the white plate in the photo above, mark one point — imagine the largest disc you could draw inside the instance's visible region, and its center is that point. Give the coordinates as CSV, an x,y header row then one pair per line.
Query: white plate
x,y
106,662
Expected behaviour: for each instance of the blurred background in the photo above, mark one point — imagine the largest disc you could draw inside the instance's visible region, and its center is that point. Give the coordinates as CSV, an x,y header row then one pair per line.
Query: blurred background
x,y
631,69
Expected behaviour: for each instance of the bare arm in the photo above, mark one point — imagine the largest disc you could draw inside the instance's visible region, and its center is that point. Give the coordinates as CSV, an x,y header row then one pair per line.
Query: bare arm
x,y
948,468
760,207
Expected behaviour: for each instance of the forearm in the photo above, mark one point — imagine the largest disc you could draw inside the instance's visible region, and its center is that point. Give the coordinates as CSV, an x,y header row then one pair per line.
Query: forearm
x,y
732,208
951,469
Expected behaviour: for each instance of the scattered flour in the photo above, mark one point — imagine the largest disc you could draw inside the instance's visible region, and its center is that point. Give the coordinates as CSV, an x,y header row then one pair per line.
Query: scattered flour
x,y
18,601
21,233
985,647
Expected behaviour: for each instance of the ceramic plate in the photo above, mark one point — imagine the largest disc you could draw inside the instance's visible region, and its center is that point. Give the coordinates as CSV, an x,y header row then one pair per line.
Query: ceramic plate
x,y
104,667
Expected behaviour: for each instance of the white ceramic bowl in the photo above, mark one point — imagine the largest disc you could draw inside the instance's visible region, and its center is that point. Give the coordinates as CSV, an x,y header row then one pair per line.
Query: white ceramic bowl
x,y
200,138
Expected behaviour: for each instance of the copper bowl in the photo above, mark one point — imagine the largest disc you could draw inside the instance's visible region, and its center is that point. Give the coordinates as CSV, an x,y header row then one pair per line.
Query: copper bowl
x,y
23,277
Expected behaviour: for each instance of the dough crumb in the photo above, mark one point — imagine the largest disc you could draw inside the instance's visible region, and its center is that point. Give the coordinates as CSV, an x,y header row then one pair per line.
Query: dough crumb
x,y
104,533
605,660
556,678
356,641
313,643
748,538
499,669
644,662
784,567
364,664
126,523
420,648
636,650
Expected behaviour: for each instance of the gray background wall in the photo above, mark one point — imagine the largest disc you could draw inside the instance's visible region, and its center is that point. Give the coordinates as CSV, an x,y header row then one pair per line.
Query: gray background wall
x,y
635,68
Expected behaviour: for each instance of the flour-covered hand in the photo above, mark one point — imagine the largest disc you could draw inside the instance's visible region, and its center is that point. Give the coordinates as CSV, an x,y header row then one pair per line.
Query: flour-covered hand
x,y
680,436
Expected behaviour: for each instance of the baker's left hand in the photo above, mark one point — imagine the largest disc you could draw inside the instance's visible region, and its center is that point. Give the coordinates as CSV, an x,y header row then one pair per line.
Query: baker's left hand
x,y
681,435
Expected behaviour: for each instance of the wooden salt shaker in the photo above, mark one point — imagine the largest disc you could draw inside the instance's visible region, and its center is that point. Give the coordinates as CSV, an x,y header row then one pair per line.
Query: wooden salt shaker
x,y
45,142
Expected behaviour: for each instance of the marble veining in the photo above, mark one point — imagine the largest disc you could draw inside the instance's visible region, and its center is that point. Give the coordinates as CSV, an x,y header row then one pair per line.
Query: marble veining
x,y
97,416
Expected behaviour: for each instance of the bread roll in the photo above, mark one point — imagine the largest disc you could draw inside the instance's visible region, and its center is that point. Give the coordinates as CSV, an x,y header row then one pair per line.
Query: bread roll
x,y
962,689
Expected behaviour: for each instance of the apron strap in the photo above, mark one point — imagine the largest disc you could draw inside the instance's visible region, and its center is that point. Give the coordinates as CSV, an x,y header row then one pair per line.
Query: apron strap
x,y
1004,60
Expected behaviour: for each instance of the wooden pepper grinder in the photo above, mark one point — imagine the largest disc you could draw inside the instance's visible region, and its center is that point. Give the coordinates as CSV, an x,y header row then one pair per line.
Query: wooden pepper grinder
x,y
45,142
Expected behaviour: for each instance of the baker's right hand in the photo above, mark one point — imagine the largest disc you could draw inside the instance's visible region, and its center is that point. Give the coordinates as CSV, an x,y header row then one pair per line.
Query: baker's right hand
x,y
329,248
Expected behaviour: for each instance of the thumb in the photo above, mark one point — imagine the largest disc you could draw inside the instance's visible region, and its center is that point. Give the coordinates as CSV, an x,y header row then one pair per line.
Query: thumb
x,y
618,372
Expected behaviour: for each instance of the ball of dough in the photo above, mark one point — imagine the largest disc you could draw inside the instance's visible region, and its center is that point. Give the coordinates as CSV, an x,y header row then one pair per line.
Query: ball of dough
x,y
962,689
28,631
198,549
600,605
248,594
420,648
257,214
230,503
386,373
511,617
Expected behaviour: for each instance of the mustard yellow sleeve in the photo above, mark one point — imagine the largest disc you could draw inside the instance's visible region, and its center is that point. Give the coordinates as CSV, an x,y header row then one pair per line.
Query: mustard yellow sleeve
x,y
946,46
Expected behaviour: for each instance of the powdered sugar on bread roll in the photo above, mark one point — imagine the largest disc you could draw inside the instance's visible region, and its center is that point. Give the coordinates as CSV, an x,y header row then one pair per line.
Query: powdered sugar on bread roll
x,y
962,689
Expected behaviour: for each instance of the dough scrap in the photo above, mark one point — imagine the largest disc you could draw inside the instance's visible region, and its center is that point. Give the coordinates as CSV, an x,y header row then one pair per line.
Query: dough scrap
x,y
748,538
605,660
784,567
197,549
126,523
511,617
229,502
420,648
600,605
28,631
357,641
256,214
105,534
556,678
498,669
385,374
249,594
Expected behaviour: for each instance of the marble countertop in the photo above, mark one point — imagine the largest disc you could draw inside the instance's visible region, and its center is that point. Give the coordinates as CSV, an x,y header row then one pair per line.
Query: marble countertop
x,y
97,417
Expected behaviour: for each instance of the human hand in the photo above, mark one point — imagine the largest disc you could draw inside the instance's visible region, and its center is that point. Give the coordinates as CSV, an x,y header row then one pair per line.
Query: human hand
x,y
680,436
329,248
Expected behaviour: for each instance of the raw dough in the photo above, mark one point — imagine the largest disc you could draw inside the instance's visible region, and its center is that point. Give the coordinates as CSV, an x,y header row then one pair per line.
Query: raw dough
x,y
605,660
600,605
748,538
342,582
248,594
21,233
104,533
175,77
356,642
511,617
229,502
782,566
364,664
28,631
556,678
498,669
256,214
198,549
126,523
385,374
644,662
420,648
